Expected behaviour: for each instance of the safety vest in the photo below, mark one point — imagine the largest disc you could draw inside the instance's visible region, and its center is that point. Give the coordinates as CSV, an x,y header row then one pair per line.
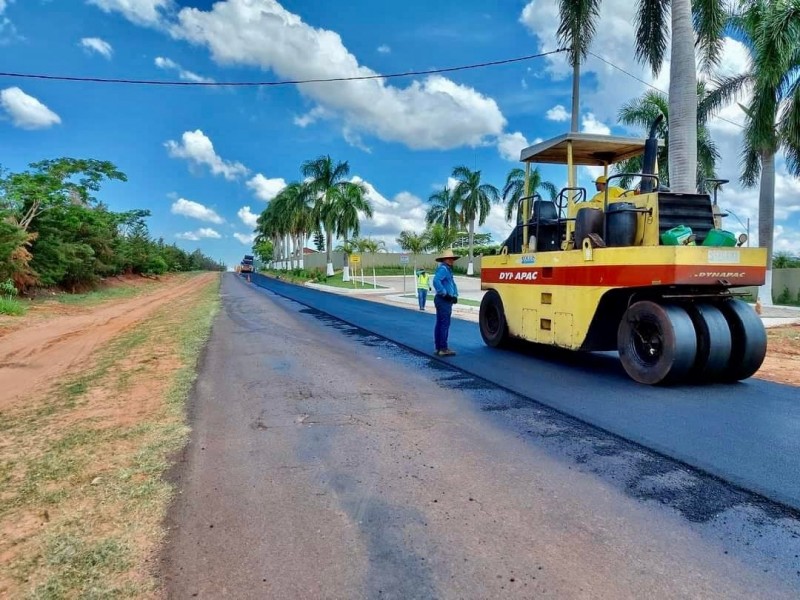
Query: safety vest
x,y
423,281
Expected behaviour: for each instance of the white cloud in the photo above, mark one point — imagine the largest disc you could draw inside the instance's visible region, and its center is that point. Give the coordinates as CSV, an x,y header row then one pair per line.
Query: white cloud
x,y
433,112
195,210
197,148
511,144
141,12
197,235
93,44
170,65
590,124
203,233
8,33
384,49
266,189
26,112
312,116
247,216
558,113
246,238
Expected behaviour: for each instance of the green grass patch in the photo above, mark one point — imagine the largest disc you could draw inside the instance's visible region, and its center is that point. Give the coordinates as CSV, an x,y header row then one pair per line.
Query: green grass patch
x,y
12,307
99,484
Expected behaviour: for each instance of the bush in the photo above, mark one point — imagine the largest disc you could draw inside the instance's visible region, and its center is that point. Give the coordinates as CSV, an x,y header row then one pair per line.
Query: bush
x,y
11,306
8,289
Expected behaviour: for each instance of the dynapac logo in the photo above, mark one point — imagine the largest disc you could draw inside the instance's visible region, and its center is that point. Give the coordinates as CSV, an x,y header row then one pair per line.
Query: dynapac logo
x,y
720,274
518,275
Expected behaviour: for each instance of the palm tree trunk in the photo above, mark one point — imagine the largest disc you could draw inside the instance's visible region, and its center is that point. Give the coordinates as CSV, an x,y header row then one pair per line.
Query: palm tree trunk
x,y
470,269
766,221
576,92
682,102
346,267
329,266
298,244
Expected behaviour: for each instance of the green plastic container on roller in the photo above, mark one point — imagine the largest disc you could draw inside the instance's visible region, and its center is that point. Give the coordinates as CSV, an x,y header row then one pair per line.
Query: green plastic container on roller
x,y
676,236
719,237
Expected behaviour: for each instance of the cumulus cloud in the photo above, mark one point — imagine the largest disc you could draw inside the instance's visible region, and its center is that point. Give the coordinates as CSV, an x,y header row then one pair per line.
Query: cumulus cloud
x,y
558,113
384,49
170,65
101,47
511,144
266,189
197,148
141,12
203,233
246,238
433,112
195,210
247,216
26,112
590,124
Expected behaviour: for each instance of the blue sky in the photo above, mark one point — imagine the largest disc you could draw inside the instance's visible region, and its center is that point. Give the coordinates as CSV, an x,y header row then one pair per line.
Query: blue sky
x,y
205,161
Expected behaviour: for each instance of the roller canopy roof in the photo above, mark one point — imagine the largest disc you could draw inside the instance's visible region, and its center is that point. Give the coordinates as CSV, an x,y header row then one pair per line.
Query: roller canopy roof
x,y
587,149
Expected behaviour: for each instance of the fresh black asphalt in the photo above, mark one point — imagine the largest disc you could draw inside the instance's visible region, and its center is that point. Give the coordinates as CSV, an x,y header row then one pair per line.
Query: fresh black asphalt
x,y
746,433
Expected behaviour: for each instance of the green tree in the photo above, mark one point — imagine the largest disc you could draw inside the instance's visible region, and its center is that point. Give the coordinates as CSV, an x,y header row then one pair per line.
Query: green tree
x,y
349,203
654,21
475,200
440,237
770,30
515,188
325,182
416,243
642,111
444,209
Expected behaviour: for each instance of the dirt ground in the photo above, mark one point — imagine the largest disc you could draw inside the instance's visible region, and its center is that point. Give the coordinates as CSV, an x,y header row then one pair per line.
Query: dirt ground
x,y
53,339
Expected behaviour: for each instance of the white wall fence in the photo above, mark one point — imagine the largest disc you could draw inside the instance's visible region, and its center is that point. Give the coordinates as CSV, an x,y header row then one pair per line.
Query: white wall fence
x,y
315,261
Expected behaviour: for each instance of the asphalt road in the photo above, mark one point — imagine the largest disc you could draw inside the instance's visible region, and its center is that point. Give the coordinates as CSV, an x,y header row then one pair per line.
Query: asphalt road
x,y
747,433
328,462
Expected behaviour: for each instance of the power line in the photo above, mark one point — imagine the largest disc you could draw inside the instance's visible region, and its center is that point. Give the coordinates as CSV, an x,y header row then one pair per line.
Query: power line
x,y
610,64
277,83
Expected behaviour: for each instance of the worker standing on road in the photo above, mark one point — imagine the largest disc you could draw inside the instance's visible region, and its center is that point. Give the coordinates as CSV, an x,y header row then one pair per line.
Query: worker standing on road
x,y
423,287
446,295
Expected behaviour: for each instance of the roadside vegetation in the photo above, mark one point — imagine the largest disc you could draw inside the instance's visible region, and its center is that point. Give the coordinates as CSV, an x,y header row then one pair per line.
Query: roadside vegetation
x,y
55,232
83,493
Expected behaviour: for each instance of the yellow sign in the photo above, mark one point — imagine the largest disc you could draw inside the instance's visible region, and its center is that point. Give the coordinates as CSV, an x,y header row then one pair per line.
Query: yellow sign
x,y
355,258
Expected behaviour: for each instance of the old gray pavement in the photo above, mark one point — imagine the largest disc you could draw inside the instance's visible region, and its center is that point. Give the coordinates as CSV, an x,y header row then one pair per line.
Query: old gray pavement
x,y
326,462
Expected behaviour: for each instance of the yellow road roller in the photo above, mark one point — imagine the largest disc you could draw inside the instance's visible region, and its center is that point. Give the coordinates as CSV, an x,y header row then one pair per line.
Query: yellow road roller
x,y
643,271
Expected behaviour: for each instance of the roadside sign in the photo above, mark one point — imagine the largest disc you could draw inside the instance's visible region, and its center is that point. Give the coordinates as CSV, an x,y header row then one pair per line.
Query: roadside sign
x,y
355,258
404,259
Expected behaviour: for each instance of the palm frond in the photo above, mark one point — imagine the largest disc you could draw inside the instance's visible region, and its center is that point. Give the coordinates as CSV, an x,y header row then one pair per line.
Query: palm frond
x,y
709,18
577,25
652,25
725,90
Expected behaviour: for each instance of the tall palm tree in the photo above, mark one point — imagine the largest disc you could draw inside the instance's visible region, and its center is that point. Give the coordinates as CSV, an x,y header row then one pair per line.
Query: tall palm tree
x,y
325,182
515,187
770,30
296,204
475,199
348,203
578,20
444,209
642,111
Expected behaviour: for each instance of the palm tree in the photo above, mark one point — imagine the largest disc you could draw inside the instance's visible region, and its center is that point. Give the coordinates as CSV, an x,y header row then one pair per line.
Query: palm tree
x,y
475,199
444,209
769,30
298,212
642,111
416,243
349,201
515,188
326,181
440,237
576,29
